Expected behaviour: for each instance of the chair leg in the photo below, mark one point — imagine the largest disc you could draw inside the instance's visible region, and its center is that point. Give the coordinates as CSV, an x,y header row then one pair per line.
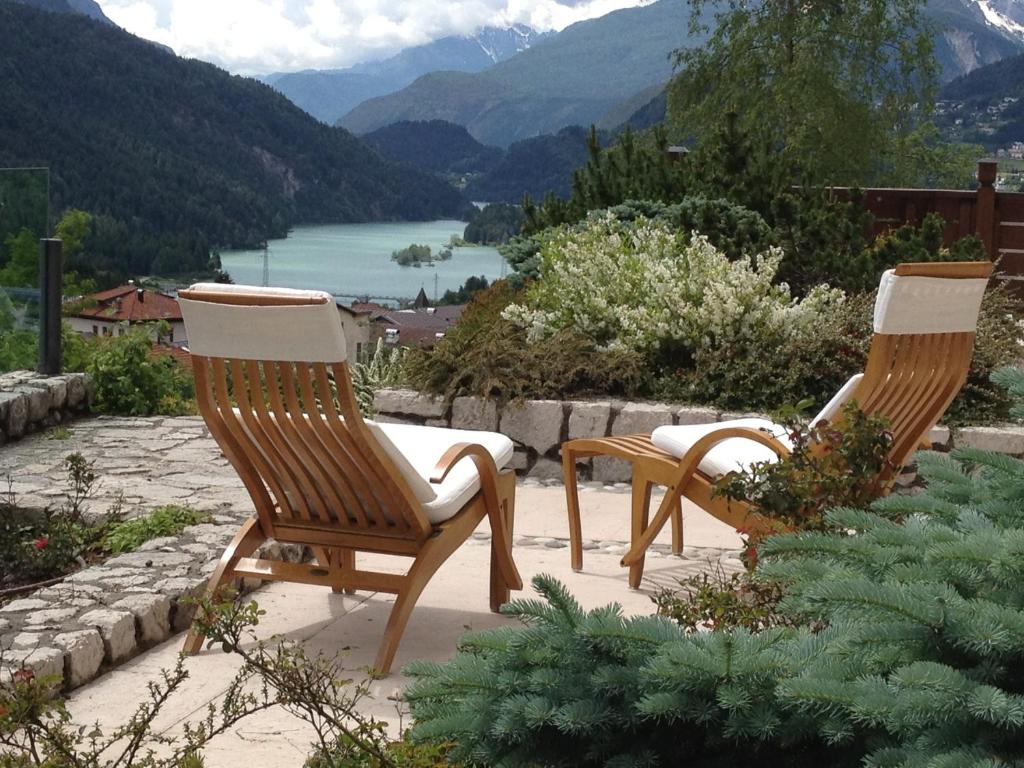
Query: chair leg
x,y
638,522
430,558
639,546
347,562
572,504
501,591
248,539
677,528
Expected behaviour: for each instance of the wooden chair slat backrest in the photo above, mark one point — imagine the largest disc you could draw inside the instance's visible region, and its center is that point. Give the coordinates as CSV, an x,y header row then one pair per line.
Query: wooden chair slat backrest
x,y
911,378
292,429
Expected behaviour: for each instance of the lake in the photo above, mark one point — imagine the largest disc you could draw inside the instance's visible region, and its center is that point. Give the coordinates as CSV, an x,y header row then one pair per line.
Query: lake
x,y
354,260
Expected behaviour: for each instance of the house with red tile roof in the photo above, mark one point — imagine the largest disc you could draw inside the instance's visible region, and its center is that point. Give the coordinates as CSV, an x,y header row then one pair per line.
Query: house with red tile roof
x,y
111,312
421,327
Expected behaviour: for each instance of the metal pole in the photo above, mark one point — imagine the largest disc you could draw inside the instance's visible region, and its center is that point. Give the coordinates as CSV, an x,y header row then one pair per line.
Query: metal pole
x,y
50,274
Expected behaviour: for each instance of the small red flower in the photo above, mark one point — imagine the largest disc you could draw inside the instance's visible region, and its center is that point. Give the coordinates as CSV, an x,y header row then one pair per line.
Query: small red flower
x,y
41,543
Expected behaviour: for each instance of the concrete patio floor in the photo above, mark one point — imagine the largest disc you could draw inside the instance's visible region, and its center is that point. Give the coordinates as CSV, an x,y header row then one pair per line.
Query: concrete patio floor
x,y
455,601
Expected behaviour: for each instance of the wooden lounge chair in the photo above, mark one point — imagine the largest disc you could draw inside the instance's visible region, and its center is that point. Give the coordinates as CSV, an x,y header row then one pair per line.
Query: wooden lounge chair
x,y
924,326
274,389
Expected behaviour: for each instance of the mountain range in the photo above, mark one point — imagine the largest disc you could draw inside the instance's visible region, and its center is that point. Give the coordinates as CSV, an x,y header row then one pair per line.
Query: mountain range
x,y
330,94
611,66
169,153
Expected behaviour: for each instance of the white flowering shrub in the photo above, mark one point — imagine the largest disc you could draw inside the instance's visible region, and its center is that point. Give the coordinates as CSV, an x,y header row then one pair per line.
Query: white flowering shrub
x,y
643,286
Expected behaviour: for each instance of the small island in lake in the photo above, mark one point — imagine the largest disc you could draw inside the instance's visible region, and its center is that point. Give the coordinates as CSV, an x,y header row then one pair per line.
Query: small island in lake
x,y
418,255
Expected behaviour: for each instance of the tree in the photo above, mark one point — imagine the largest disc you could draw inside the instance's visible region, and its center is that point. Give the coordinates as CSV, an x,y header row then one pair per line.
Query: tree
x,y
22,268
842,90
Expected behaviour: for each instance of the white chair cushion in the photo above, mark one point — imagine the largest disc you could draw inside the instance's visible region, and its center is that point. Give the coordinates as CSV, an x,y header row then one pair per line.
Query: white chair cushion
x,y
736,454
835,405
416,451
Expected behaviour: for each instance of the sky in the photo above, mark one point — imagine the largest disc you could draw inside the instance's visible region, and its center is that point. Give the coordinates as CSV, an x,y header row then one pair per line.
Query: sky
x,y
261,36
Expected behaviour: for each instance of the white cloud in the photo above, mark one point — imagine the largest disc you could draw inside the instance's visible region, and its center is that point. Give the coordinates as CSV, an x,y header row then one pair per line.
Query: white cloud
x,y
255,36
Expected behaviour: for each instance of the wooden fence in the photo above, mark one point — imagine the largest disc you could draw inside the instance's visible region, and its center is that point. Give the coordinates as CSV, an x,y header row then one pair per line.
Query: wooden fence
x,y
995,217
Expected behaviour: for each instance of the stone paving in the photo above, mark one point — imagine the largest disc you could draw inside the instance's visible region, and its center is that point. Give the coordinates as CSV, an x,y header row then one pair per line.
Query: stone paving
x,y
105,614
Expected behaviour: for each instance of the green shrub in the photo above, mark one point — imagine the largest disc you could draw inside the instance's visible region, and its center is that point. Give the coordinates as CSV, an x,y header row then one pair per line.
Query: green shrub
x,y
998,343
732,229
827,468
381,368
643,287
720,601
485,354
767,370
36,547
131,381
168,520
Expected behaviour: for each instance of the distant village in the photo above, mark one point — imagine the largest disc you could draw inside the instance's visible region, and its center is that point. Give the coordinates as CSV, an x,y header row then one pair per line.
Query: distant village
x,y
1011,174
115,311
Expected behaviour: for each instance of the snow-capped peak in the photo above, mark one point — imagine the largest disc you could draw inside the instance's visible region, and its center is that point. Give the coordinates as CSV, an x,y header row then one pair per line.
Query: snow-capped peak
x,y
500,43
1007,15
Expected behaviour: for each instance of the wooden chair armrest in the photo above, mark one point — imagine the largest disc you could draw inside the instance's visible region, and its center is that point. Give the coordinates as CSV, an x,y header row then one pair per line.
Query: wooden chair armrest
x,y
488,471
691,460
480,456
688,465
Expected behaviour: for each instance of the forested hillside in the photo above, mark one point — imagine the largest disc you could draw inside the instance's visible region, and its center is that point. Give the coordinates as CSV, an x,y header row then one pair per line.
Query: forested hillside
x,y
535,167
435,145
173,156
532,167
986,106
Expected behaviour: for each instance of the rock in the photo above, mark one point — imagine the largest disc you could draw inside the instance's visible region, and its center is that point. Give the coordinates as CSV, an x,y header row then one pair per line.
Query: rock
x,y
117,628
536,424
26,640
39,402
694,415
77,392
939,436
474,413
44,663
998,439
520,460
58,392
154,544
589,419
152,616
546,469
609,470
641,418
408,402
83,654
17,414
26,604
149,560
53,616
733,415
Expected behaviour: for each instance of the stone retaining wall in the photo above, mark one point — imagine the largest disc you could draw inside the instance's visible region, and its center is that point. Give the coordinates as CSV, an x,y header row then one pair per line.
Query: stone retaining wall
x,y
30,401
538,427
99,617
